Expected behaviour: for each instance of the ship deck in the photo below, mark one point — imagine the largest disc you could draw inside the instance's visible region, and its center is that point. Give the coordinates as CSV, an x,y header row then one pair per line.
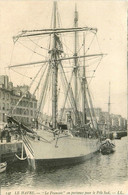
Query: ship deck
x,y
63,146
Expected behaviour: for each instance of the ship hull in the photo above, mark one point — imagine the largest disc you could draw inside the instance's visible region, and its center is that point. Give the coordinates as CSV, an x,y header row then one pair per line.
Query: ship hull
x,y
108,151
61,162
65,150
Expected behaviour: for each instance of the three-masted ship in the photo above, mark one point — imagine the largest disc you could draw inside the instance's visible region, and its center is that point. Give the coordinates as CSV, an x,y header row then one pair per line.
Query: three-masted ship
x,y
53,145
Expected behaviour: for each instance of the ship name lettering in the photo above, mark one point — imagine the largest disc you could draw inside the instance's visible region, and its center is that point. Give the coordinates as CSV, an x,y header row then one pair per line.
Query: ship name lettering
x,y
55,193
77,193
99,192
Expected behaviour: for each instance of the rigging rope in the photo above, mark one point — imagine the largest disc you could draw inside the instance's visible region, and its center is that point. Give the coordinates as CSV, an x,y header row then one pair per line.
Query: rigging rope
x,y
45,92
26,90
40,80
90,44
21,74
34,91
95,70
87,104
98,43
69,85
31,49
91,104
44,87
82,44
71,96
37,44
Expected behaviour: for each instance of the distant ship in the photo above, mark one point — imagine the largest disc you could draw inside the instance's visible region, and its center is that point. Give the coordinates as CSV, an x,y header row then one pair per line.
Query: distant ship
x,y
52,145
107,146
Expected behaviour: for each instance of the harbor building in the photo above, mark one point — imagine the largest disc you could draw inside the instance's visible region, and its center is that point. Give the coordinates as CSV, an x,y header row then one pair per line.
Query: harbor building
x,y
115,122
25,110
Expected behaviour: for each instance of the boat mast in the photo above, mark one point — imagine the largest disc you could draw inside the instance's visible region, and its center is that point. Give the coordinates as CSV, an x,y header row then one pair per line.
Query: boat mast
x,y
54,74
109,101
84,84
127,72
75,60
109,105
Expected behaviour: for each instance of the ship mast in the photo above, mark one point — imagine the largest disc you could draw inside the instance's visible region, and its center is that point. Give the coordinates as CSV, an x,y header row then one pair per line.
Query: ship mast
x,y
56,60
54,74
75,60
84,84
109,105
109,101
127,72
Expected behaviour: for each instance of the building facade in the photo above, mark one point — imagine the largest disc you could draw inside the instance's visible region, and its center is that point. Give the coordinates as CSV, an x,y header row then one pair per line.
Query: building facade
x,y
24,109
105,121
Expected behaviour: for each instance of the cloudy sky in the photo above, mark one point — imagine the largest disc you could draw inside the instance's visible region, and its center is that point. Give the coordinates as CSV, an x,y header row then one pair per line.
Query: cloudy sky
x,y
109,17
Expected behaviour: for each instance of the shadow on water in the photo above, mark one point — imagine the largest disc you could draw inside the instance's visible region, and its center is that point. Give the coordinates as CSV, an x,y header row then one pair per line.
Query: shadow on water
x,y
19,166
41,170
101,169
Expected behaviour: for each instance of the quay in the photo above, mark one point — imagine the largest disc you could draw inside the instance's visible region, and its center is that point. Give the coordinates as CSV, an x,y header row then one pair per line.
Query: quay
x,y
120,134
117,134
8,151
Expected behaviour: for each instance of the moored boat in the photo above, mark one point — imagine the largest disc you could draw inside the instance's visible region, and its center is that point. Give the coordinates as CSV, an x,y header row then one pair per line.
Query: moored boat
x,y
107,147
3,167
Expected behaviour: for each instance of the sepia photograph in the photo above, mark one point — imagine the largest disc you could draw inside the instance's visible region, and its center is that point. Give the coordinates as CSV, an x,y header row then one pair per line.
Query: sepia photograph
x,y
63,97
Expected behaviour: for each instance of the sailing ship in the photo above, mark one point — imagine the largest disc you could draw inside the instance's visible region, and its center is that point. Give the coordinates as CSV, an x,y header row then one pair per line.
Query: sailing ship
x,y
50,144
107,147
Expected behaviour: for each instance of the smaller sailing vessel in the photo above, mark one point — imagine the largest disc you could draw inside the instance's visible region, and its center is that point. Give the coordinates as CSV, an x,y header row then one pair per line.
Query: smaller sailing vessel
x,y
3,167
107,147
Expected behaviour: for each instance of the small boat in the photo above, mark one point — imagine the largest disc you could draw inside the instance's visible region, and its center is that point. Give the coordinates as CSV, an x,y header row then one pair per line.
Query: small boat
x,y
3,167
107,147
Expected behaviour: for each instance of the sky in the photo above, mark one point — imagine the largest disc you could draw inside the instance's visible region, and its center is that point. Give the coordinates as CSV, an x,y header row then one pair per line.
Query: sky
x,y
109,17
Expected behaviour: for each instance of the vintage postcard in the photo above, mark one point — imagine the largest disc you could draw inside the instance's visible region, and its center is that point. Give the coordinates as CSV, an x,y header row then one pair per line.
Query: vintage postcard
x,y
63,97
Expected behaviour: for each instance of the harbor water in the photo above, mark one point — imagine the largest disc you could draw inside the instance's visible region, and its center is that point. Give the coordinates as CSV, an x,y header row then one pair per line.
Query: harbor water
x,y
100,170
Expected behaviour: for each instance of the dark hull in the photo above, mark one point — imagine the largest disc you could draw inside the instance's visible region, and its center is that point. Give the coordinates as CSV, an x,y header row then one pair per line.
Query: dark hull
x,y
117,137
68,150
61,162
107,151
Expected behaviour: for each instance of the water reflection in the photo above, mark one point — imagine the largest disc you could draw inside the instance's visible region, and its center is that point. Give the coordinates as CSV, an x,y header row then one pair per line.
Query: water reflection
x,y
102,169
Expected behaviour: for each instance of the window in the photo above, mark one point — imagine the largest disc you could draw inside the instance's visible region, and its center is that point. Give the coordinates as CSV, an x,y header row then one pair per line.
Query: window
x,y
23,111
4,118
20,111
7,106
20,103
35,113
7,96
17,111
35,105
3,106
31,105
27,112
3,95
31,113
24,103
